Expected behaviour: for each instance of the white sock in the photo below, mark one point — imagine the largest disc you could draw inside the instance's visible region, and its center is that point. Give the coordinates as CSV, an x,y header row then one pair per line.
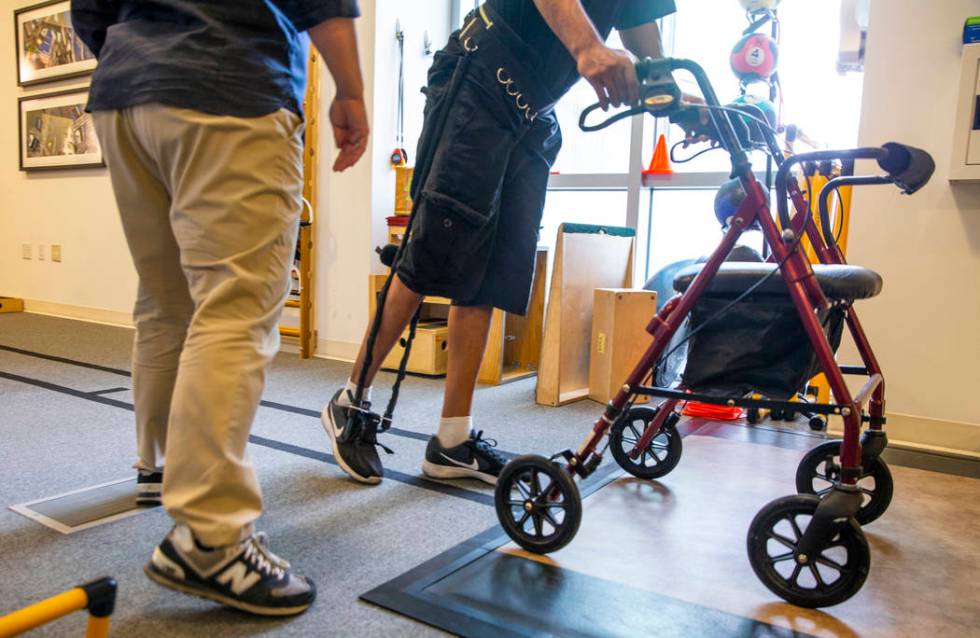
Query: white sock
x,y
351,388
454,430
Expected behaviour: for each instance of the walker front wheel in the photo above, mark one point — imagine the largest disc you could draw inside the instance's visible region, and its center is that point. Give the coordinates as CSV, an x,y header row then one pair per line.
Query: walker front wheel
x,y
538,504
833,575
820,470
659,457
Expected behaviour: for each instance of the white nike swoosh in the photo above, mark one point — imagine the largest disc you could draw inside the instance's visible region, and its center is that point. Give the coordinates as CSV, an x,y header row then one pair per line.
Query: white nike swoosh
x,y
333,426
472,466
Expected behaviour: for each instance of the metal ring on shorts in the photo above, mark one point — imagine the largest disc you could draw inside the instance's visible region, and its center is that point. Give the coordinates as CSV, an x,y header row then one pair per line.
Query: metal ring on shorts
x,y
466,45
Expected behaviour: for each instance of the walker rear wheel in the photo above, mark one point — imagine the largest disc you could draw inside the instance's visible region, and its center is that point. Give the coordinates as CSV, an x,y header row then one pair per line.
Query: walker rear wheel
x,y
832,576
538,504
820,469
659,457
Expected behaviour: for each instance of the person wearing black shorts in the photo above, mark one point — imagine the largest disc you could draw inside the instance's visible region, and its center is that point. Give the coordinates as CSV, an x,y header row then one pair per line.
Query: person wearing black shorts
x,y
489,139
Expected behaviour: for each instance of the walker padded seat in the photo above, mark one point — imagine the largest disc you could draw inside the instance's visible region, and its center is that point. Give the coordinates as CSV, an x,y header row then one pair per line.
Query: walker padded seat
x,y
839,283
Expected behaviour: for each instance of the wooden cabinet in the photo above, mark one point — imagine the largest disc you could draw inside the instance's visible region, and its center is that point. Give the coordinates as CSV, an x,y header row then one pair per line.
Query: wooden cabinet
x,y
619,337
514,346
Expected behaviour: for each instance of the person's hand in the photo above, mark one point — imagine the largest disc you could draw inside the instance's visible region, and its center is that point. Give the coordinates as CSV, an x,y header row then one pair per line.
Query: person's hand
x,y
612,73
348,117
704,119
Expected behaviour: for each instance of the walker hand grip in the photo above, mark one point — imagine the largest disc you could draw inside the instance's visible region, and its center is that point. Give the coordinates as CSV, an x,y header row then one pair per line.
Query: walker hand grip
x,y
909,168
588,128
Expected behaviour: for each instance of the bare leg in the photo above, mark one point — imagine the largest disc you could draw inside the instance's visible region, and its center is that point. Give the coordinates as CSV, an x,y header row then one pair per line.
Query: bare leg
x,y
468,330
399,307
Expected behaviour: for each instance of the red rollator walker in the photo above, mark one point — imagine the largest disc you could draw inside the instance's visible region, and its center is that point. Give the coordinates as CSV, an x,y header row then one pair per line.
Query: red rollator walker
x,y
807,548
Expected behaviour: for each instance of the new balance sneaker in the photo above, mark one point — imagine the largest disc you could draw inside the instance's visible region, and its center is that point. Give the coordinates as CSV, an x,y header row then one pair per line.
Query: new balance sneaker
x,y
355,451
149,487
474,458
246,576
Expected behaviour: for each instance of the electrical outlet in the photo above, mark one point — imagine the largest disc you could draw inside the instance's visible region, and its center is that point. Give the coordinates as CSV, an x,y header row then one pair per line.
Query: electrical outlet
x,y
56,252
40,252
27,251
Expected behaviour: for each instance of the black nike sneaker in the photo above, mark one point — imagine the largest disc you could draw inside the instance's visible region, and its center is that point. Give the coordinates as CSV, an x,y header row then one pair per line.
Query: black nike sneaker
x,y
246,576
354,441
474,458
149,487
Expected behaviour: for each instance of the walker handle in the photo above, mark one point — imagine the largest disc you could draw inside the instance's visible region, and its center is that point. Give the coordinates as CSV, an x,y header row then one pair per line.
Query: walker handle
x,y
909,168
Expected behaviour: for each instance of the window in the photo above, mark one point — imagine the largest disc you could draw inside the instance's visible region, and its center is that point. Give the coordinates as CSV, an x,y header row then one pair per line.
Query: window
x,y
592,182
606,207
605,151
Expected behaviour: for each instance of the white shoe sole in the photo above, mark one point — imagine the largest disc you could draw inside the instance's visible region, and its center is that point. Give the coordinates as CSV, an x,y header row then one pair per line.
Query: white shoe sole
x,y
163,580
326,420
433,470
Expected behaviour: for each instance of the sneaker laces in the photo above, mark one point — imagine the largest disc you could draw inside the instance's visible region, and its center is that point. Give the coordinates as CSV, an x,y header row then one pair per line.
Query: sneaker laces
x,y
263,539
365,425
486,447
257,553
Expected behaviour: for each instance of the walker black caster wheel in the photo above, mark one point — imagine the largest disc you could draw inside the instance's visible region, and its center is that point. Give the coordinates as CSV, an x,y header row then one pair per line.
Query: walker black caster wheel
x,y
829,578
820,470
817,423
662,454
538,504
752,416
776,415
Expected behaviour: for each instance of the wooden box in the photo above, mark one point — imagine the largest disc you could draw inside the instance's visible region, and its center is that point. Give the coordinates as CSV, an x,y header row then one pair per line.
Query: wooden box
x,y
403,189
429,351
587,257
11,304
619,338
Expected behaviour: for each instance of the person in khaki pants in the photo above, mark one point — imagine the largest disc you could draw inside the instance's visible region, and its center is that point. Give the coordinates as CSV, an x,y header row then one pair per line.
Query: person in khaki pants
x,y
198,110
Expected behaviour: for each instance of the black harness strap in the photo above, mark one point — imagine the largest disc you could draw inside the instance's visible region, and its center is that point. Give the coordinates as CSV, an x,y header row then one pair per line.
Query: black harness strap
x,y
426,164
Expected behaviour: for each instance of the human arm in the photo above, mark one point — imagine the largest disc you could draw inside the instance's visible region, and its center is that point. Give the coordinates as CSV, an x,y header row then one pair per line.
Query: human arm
x,y
336,41
644,41
330,25
611,72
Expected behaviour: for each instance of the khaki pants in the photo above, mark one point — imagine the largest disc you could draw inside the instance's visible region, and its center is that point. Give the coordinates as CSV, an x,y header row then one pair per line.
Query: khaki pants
x,y
210,207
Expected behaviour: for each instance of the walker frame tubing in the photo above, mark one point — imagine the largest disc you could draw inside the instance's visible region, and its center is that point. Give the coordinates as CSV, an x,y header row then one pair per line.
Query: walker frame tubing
x,y
797,274
829,253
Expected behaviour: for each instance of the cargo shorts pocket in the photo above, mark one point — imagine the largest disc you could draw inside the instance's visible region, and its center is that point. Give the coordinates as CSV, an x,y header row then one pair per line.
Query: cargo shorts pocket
x,y
448,235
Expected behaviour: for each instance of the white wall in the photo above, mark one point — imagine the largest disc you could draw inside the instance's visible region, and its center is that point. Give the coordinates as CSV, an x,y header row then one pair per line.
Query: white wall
x,y
357,204
924,325
74,208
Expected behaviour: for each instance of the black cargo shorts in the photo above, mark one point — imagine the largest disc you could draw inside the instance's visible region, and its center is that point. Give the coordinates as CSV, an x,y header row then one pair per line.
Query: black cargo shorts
x,y
478,205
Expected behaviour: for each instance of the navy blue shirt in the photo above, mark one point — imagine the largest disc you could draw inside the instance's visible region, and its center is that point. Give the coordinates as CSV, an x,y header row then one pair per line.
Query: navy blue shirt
x,y
244,58
558,65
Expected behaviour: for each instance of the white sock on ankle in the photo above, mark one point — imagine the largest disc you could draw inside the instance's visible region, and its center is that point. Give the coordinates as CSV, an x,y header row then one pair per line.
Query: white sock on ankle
x,y
454,430
345,399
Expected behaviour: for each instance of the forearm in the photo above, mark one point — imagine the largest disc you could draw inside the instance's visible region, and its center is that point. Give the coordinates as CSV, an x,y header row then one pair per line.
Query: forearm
x,y
336,40
568,20
643,41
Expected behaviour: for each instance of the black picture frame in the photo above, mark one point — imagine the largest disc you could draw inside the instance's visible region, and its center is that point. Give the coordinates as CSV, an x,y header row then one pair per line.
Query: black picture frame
x,y
38,132
27,76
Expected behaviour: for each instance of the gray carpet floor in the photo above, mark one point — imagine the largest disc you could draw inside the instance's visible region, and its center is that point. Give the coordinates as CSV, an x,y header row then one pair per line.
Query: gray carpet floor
x,y
349,538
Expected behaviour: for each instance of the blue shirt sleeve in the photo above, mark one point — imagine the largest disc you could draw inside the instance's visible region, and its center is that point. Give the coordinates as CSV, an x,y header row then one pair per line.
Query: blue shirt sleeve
x,y
305,14
639,12
90,19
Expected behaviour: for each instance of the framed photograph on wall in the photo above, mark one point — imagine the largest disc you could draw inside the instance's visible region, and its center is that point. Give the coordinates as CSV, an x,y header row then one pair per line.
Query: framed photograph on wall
x,y
47,46
56,132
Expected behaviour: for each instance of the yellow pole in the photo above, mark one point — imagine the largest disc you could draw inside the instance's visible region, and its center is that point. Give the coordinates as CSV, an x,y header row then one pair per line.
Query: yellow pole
x,y
43,612
98,627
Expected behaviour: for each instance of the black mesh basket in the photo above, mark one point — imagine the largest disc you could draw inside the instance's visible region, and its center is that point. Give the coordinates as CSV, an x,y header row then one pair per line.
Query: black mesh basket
x,y
758,345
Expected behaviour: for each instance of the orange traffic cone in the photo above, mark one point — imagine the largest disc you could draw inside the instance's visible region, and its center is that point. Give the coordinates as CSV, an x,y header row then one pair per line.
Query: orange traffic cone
x,y
660,164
